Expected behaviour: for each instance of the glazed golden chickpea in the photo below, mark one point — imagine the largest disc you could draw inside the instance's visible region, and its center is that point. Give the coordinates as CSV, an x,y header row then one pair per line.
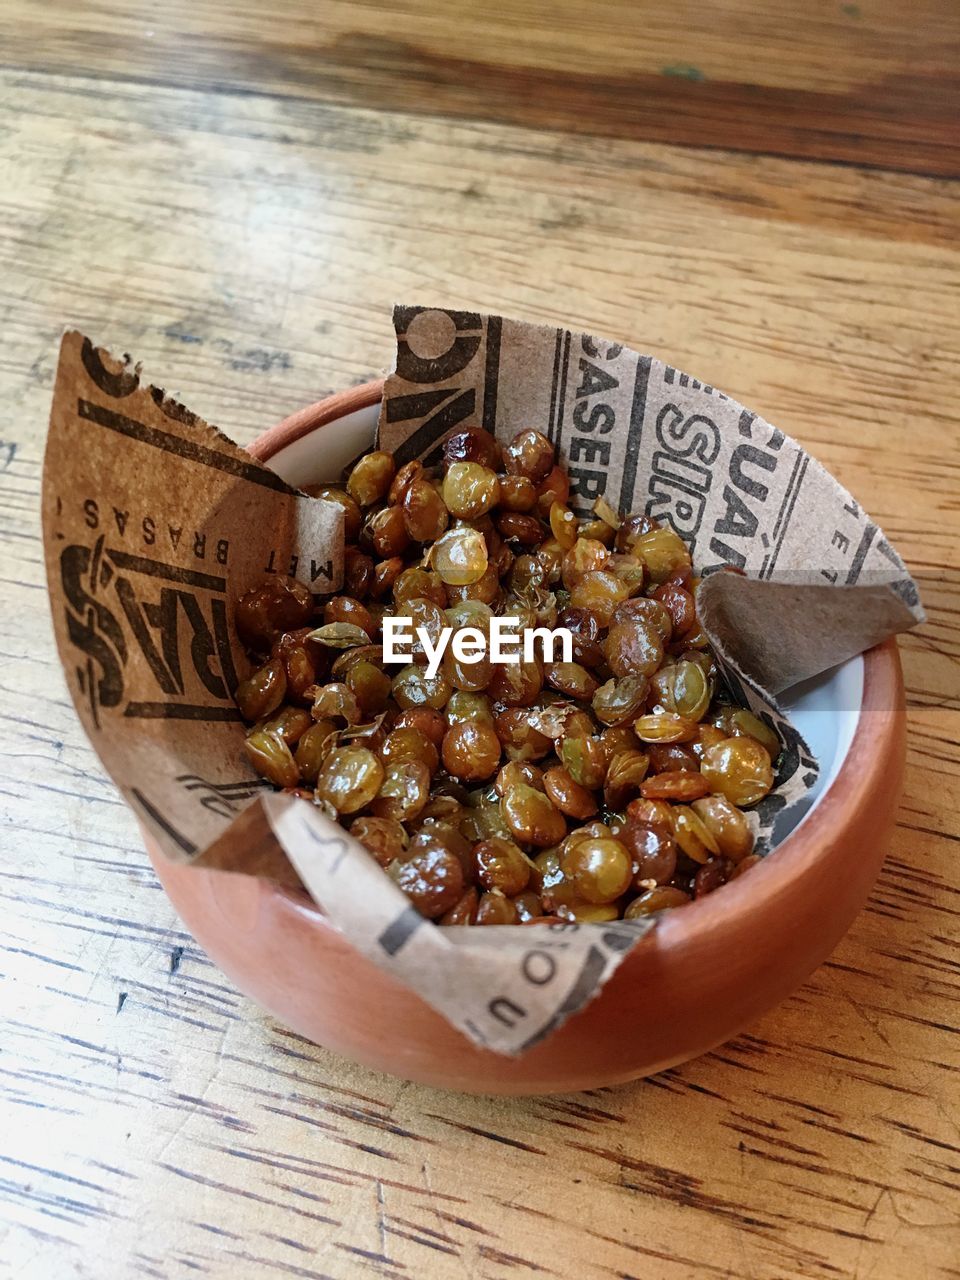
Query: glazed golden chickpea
x,y
369,481
424,514
625,774
563,525
529,454
313,747
739,769
569,796
518,494
662,551
650,612
633,648
403,791
528,905
599,868
468,704
659,899
385,574
385,533
412,687
272,758
585,556
470,677
571,679
677,785
693,836
336,701
515,771
352,517
471,751
585,758
460,556
619,701
666,727
346,609
599,591
532,817
744,723
289,723
349,778
409,743
470,490
728,826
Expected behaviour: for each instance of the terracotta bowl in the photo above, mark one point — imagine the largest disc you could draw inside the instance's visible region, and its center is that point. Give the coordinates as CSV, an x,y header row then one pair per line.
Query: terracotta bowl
x,y
705,973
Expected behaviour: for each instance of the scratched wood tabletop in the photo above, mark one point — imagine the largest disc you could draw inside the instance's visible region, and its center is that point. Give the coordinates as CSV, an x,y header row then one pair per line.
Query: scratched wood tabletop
x,y
762,193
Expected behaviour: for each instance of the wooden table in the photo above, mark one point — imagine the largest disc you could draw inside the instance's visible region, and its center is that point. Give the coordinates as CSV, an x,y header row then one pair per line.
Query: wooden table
x,y
764,194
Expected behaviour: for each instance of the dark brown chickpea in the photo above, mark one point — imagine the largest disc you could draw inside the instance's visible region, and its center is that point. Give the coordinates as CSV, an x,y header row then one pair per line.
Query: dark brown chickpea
x,y
370,479
585,630
471,751
304,661
402,481
569,796
352,517
263,691
357,573
424,514
653,852
464,911
266,612
518,684
529,906
554,488
599,592
385,532
529,454
525,529
671,757
471,444
572,679
432,880
742,867
385,574
679,604
645,610
711,876
632,530
494,908
385,838
346,609
619,737
502,865
518,494
485,589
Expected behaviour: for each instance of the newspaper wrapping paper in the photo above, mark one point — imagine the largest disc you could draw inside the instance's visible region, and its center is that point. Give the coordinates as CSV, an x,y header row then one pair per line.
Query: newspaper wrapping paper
x,y
155,524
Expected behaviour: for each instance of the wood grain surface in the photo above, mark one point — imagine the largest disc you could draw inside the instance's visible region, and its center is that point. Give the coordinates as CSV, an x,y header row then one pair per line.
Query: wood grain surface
x,y
213,198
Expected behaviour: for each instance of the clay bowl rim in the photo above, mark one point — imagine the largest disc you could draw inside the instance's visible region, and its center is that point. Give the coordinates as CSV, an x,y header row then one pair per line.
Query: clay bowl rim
x,y
860,773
